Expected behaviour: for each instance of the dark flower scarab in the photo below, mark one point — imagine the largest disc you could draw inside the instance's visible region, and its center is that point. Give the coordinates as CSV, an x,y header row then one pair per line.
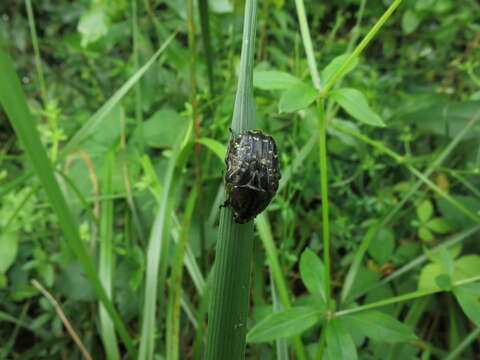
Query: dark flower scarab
x,y
252,175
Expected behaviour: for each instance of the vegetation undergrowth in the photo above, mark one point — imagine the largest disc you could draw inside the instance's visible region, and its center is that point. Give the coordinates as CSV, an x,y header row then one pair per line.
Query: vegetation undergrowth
x,y
115,120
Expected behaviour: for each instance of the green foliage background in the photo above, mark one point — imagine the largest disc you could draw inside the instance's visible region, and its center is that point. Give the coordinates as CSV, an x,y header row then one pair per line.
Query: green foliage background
x,y
126,162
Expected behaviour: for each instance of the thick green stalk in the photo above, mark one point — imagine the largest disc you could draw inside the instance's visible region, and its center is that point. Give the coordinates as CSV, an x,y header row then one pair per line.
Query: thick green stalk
x,y
231,282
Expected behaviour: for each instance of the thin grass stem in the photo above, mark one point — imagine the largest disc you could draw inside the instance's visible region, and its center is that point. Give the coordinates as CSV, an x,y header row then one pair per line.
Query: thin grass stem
x,y
307,43
358,50
36,50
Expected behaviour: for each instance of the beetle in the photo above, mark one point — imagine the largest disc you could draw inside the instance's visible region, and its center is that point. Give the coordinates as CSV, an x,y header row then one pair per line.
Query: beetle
x,y
252,175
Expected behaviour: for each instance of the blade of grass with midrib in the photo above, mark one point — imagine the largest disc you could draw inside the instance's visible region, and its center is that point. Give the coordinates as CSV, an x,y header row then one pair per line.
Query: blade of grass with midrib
x,y
231,278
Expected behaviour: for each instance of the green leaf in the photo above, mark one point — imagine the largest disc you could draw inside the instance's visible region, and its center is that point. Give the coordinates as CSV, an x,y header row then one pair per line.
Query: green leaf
x,y
216,147
297,97
274,80
284,324
364,278
311,271
445,118
379,326
8,250
425,234
340,345
446,260
435,256
335,65
469,303
444,282
410,22
428,275
382,245
355,104
93,25
471,288
465,267
439,225
425,211
424,4
163,127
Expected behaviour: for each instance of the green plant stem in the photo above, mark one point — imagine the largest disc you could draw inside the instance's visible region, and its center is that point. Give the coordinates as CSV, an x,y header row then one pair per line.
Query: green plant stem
x,y
196,122
321,342
107,261
36,50
173,314
325,206
307,43
350,278
400,298
207,44
90,125
137,86
462,346
379,145
265,234
356,29
358,50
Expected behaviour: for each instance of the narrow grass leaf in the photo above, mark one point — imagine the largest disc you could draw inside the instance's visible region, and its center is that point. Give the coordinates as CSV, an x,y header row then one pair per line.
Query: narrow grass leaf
x,y
14,102
101,113
265,233
284,323
216,147
297,97
379,326
229,299
107,259
274,80
175,291
355,104
468,340
157,253
340,345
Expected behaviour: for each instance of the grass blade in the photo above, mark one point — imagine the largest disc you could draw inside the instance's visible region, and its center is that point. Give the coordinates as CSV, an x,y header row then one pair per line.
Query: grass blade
x,y
157,254
173,315
97,118
14,102
231,282
107,260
